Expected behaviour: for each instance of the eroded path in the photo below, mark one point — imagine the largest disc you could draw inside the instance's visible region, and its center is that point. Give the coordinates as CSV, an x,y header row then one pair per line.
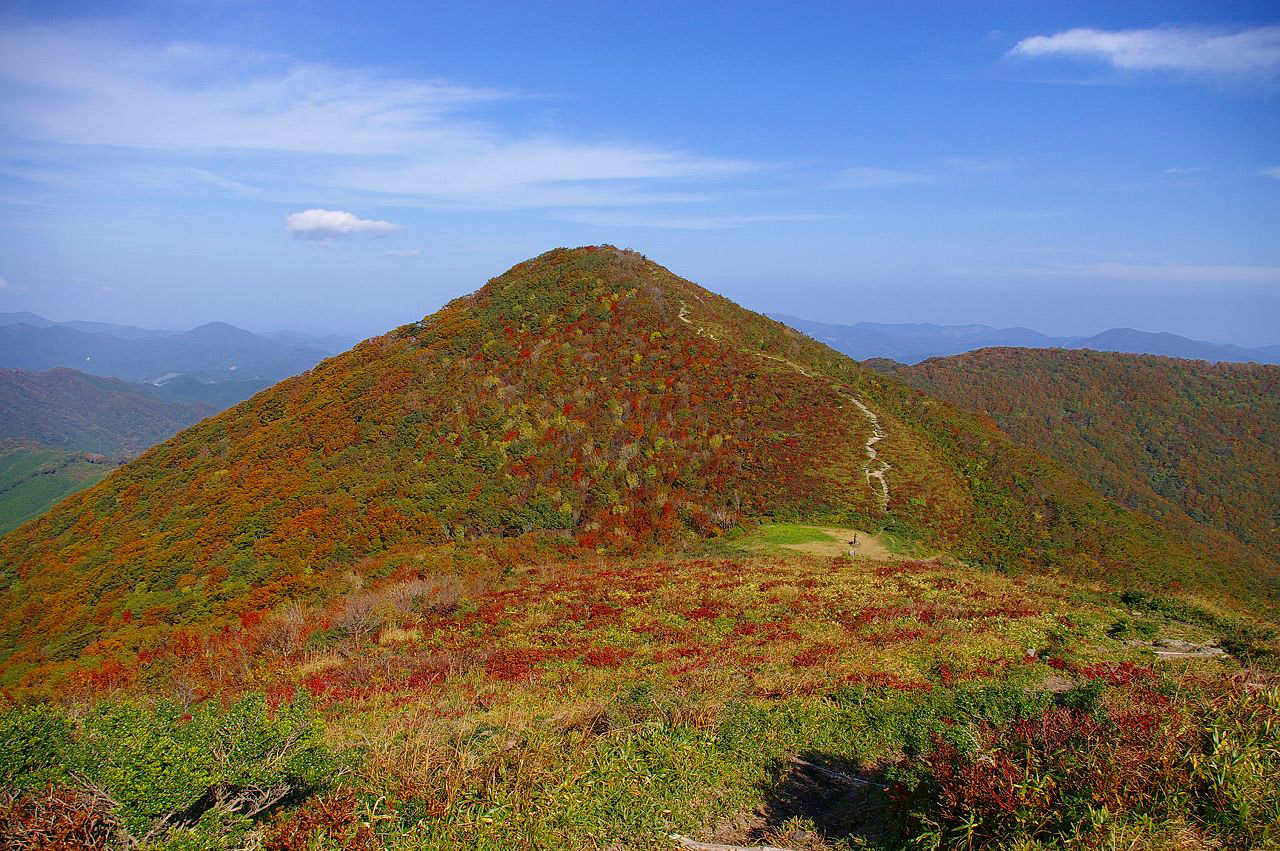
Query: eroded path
x,y
875,466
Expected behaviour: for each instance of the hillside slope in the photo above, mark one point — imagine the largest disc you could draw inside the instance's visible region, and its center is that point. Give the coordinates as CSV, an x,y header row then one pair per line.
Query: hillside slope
x,y
588,391
1186,442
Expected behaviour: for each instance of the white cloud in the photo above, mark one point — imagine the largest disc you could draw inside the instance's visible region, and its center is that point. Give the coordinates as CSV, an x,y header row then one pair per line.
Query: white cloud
x,y
1194,50
405,253
328,225
1184,172
1271,171
4,285
866,177
315,130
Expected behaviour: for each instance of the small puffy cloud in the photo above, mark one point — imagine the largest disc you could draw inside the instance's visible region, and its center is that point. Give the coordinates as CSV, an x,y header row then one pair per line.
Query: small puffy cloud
x,y
328,225
405,253
867,177
1271,171
1193,50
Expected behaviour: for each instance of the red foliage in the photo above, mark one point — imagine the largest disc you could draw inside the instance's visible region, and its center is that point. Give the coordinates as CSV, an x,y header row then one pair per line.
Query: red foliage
x,y
813,655
899,568
1118,673
57,820
606,657
332,817
1120,759
517,663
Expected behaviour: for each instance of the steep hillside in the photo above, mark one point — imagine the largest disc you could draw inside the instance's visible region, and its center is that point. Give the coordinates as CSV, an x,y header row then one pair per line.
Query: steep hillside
x,y
1185,442
589,392
66,409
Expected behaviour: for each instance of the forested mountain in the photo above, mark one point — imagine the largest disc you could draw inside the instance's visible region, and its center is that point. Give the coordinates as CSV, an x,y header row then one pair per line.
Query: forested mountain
x,y
66,409
913,342
212,352
1186,442
589,391
62,430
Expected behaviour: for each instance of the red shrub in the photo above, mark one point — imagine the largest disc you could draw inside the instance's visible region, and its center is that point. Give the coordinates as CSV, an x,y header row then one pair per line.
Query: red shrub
x,y
606,657
513,663
331,817
811,656
1039,776
57,819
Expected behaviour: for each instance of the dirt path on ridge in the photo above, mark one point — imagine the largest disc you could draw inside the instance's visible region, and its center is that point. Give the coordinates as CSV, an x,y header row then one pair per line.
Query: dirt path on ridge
x,y
875,466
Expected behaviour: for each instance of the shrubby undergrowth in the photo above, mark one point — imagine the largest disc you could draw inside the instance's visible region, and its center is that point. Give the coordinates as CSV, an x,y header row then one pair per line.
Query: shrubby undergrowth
x,y
126,774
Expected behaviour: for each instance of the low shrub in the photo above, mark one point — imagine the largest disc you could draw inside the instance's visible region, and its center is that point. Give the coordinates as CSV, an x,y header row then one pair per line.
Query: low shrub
x,y
158,776
1210,756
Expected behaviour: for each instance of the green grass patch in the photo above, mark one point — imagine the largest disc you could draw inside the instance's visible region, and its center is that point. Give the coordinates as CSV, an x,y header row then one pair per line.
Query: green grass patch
x,y
33,480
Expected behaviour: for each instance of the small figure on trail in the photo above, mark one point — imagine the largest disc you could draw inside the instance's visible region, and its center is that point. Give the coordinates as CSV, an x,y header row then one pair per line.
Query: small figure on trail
x,y
853,545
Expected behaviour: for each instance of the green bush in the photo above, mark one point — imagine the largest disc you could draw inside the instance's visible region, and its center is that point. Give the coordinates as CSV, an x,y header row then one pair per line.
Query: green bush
x,y
175,780
33,741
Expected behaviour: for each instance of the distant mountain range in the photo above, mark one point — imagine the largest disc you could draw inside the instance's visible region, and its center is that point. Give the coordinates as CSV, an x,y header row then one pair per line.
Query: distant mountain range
x,y
328,343
912,343
79,397
213,352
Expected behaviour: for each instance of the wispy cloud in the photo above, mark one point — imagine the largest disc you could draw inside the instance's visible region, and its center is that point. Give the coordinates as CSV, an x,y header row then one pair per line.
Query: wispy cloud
x,y
868,177
405,253
949,168
678,221
1181,274
328,225
980,165
324,130
1271,171
1192,50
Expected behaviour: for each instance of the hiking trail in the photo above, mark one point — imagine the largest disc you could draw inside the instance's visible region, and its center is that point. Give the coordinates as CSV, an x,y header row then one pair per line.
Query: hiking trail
x,y
875,466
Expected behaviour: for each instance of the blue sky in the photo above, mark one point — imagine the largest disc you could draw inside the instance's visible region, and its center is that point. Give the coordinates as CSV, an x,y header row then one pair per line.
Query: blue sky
x,y
338,168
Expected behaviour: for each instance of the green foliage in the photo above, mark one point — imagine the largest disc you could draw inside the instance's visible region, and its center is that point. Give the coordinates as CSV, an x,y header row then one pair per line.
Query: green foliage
x,y
34,479
184,781
33,742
